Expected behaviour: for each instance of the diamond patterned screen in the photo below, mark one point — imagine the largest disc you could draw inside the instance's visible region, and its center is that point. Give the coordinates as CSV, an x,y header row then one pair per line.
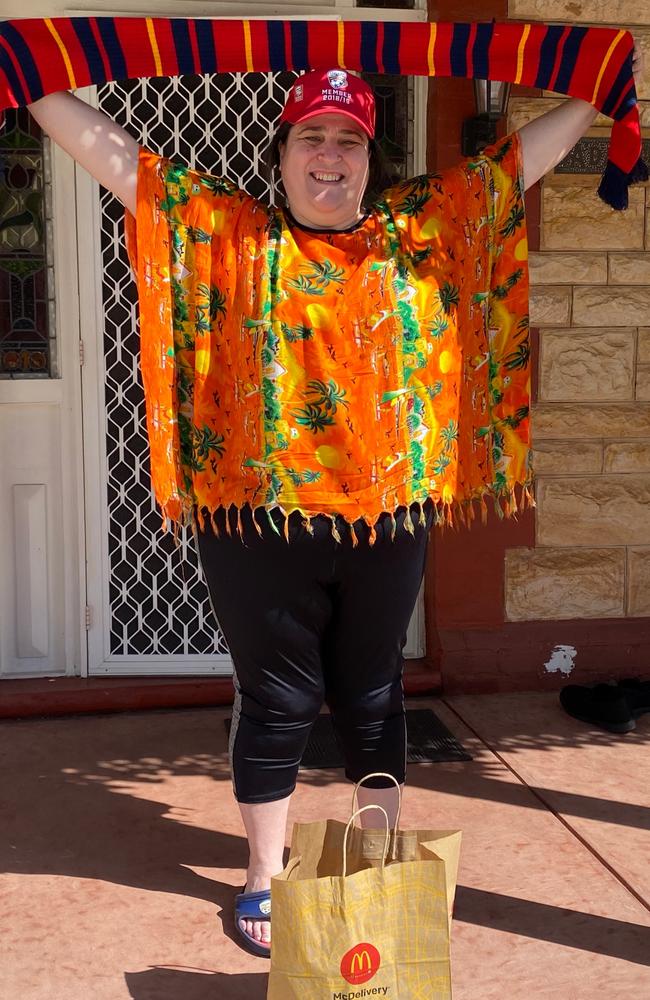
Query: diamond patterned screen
x,y
221,124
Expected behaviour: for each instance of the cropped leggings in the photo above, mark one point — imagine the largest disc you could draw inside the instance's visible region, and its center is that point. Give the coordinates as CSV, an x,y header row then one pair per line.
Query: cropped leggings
x,y
307,621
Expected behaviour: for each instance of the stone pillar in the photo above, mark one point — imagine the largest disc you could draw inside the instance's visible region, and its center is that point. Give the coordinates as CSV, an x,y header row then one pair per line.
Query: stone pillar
x,y
590,299
573,575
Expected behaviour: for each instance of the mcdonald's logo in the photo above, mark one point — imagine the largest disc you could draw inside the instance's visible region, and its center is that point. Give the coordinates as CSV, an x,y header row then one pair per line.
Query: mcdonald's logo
x,y
360,963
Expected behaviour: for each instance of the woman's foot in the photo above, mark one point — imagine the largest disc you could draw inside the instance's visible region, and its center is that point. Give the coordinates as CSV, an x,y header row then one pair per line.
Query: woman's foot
x,y
266,826
259,930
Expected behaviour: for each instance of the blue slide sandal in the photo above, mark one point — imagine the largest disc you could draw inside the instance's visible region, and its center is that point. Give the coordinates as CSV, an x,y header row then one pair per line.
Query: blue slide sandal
x,y
253,906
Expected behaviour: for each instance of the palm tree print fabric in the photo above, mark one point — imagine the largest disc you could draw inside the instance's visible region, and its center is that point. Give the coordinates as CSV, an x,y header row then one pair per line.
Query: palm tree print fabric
x,y
344,373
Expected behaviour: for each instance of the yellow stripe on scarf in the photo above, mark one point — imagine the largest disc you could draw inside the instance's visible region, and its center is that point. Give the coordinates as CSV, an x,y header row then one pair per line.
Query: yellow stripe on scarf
x,y
431,61
610,52
154,46
341,52
64,52
520,53
248,45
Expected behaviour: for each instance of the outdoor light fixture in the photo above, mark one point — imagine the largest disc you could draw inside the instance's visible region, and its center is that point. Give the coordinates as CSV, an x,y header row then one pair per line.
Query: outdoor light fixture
x,y
491,97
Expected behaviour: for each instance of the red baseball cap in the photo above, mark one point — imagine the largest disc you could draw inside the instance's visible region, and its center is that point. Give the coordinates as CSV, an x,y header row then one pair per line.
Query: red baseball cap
x,y
323,91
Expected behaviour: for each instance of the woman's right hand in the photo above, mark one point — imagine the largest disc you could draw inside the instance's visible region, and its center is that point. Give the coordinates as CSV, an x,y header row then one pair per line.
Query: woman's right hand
x,y
103,148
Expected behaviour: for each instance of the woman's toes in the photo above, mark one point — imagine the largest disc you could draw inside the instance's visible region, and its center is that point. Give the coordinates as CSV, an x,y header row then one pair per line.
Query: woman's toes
x,y
263,931
259,930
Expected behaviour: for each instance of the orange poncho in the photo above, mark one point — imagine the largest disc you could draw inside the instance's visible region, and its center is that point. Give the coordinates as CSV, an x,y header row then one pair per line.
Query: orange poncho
x,y
335,373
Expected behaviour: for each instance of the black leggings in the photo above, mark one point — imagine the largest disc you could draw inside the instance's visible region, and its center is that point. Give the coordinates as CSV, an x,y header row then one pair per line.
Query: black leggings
x,y
307,621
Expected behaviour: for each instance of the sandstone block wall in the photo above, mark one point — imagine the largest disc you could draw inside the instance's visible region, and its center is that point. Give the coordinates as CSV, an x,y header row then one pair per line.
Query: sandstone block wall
x,y
590,300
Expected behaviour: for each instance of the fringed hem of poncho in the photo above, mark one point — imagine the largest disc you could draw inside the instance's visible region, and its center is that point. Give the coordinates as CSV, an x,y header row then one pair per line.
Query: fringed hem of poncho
x,y
446,514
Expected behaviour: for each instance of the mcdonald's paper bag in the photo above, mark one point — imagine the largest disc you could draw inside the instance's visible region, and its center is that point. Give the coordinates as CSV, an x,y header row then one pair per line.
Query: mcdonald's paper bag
x,y
365,928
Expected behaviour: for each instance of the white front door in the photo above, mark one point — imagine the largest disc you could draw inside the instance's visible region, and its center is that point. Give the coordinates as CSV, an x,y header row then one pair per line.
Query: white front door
x,y
42,587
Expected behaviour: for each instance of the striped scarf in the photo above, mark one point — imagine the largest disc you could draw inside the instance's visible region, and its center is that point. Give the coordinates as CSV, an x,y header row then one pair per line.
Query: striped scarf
x,y
40,56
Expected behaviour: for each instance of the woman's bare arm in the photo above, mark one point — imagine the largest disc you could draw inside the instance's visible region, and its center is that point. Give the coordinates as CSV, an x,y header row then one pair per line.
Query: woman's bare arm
x,y
548,139
103,148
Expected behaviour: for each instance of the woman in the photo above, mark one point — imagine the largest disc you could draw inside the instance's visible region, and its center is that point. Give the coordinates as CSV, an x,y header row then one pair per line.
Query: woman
x,y
309,409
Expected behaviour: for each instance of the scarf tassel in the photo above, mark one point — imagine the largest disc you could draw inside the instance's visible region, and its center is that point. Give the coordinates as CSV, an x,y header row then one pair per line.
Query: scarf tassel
x,y
613,188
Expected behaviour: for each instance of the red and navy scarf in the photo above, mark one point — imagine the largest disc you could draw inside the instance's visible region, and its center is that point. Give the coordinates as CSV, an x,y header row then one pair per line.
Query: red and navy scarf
x,y
40,56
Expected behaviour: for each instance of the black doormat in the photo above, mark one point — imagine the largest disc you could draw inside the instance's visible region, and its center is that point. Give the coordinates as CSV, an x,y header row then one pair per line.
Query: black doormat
x,y
429,741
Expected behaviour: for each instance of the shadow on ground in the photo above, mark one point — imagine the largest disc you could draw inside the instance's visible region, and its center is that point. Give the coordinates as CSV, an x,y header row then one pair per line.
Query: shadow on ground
x,y
193,984
76,803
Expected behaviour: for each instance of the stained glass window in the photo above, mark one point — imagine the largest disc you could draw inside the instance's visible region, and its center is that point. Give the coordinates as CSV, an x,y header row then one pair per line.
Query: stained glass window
x,y
27,329
394,129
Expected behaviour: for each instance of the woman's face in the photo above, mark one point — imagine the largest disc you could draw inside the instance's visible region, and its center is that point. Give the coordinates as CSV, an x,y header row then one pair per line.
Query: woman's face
x,y
324,169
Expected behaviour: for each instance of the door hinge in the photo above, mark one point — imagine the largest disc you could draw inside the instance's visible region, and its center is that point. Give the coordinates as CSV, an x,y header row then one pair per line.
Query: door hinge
x,y
82,354
87,617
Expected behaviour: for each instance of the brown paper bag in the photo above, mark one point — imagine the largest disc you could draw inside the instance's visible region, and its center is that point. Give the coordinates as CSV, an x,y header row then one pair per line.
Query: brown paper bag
x,y
358,913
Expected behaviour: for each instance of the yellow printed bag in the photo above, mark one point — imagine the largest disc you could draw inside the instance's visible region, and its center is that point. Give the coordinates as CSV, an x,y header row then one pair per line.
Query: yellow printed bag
x,y
358,914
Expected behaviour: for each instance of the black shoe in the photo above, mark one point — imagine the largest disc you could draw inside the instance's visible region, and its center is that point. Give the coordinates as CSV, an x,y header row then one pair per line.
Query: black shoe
x,y
637,693
604,705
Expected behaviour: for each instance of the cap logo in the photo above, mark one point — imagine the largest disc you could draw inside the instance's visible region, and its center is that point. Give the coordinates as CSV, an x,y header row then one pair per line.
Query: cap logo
x,y
334,90
338,79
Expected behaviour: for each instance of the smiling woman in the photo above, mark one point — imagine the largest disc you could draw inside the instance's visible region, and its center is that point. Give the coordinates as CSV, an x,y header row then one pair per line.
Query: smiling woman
x,y
324,160
338,373
324,169
304,367
331,167
381,172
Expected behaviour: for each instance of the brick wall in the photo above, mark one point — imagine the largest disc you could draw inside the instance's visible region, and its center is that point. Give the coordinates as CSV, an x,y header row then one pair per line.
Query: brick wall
x,y
590,299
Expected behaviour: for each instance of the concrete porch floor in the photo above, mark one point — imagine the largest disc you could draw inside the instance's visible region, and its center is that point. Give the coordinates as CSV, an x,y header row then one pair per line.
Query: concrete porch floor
x,y
122,851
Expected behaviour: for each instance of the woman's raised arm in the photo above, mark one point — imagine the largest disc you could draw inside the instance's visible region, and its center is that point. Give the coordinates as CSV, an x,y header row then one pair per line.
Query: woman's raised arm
x,y
548,139
103,148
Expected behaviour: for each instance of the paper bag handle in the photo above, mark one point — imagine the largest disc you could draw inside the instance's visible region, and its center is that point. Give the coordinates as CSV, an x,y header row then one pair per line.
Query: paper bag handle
x,y
347,830
383,774
292,864
380,774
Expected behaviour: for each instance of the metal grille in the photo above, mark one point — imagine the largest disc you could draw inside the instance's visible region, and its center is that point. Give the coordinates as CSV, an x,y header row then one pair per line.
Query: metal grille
x,y
158,601
589,156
